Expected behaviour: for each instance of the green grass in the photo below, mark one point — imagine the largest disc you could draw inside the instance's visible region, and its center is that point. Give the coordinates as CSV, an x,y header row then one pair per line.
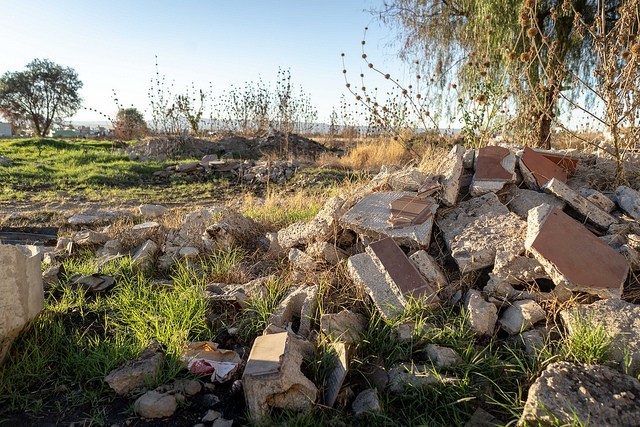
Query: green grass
x,y
589,342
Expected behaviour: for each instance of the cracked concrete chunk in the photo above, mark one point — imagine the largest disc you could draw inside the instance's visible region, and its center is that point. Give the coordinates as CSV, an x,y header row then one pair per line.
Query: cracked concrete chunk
x,y
585,208
443,357
494,168
143,257
21,291
81,219
300,304
403,179
521,200
136,374
345,326
620,319
152,211
366,401
153,404
320,228
598,199
365,274
410,375
88,237
482,315
476,229
272,377
451,176
327,252
572,256
589,395
370,218
629,200
302,260
338,365
430,269
521,316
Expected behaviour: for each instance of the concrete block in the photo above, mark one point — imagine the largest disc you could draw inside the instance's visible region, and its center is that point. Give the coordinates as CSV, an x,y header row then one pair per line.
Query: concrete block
x,y
451,177
521,316
585,208
482,315
272,376
152,211
301,303
21,291
370,217
430,269
629,200
478,228
598,199
521,200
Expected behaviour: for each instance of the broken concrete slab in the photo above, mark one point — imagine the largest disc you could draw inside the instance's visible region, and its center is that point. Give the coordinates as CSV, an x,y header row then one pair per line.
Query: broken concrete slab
x,y
443,357
629,200
521,200
598,199
154,404
325,251
88,237
81,219
451,176
370,218
345,326
145,226
572,256
401,179
152,211
621,321
301,260
339,365
402,276
301,304
272,376
482,315
494,168
365,274
430,270
143,257
366,401
520,316
566,394
95,283
21,291
537,170
585,208
406,375
476,229
138,373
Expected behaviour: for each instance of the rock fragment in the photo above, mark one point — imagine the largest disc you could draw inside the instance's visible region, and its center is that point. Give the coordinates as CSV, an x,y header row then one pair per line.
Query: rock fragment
x,y
345,326
521,315
136,374
451,176
598,199
521,200
152,211
366,401
629,200
443,357
143,257
153,405
300,304
482,315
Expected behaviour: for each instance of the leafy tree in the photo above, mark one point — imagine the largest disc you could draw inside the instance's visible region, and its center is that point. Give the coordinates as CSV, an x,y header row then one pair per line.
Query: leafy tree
x,y
130,124
40,94
451,33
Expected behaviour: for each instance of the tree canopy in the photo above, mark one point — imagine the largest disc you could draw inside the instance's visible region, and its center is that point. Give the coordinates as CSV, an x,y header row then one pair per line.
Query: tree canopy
x,y
130,124
40,94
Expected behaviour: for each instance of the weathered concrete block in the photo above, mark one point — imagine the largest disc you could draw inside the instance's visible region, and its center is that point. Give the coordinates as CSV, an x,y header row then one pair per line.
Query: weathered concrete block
x,y
629,200
152,211
301,303
588,210
521,316
430,269
345,326
482,315
521,200
598,199
476,229
572,256
302,260
371,215
21,291
272,377
327,252
451,176
88,237
144,256
320,228
136,374
365,274
568,394
621,321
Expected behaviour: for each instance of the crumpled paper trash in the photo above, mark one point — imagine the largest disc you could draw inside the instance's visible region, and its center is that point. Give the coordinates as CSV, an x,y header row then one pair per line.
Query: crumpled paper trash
x,y
204,357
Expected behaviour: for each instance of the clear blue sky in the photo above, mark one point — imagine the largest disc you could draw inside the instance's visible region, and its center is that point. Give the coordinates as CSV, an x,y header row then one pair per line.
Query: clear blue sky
x,y
112,44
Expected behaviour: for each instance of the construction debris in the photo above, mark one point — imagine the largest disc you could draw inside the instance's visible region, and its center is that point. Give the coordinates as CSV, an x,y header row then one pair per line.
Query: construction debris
x,y
370,217
21,291
366,401
345,326
152,211
537,170
339,365
494,168
300,305
272,377
521,200
204,358
482,315
520,316
136,374
451,176
572,256
629,200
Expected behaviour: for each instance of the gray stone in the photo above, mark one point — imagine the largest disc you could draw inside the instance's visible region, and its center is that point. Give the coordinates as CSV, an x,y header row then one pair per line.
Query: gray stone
x,y
81,219
187,387
482,418
136,374
110,248
366,401
478,228
301,303
145,226
443,357
370,217
88,237
621,321
153,404
584,207
482,315
598,199
221,422
534,341
188,252
210,416
51,275
62,244
327,252
521,315
143,257
21,292
469,158
521,200
451,176
272,376
345,326
410,375
301,260
320,228
366,275
430,269
405,179
566,394
152,211
629,200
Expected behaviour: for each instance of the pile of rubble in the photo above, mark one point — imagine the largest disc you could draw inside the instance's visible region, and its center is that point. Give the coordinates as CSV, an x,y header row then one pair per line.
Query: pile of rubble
x,y
515,214
246,172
